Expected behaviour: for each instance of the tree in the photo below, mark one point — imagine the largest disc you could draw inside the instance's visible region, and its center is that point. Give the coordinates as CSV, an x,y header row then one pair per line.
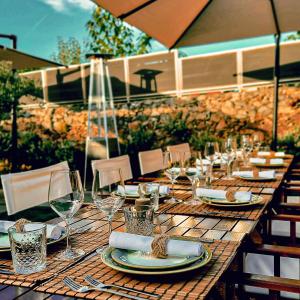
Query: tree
x,y
111,35
12,88
69,51
293,36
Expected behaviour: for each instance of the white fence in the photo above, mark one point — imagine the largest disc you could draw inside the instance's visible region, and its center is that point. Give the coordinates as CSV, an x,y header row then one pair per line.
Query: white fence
x,y
165,73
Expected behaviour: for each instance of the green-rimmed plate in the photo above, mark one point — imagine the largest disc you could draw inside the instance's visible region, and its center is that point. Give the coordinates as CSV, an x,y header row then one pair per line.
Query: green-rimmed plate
x,y
5,246
140,260
107,260
255,200
256,179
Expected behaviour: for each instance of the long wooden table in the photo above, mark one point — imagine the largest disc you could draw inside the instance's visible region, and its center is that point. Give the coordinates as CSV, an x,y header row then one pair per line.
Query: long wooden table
x,y
228,230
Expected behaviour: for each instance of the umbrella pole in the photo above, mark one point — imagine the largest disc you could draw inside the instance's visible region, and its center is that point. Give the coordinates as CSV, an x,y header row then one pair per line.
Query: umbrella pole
x,y
276,90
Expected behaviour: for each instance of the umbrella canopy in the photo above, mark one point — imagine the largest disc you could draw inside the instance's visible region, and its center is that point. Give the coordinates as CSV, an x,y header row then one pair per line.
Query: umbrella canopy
x,y
177,23
21,60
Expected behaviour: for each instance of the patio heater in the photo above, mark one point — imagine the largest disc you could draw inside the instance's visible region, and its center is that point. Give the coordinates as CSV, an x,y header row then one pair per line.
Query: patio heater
x,y
102,141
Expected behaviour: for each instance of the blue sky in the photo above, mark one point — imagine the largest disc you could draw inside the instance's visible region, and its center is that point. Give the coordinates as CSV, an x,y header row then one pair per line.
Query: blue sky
x,y
38,23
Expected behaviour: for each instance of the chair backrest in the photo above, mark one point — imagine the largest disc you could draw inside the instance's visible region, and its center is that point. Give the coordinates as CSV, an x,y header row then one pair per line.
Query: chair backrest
x,y
121,162
151,161
28,189
185,147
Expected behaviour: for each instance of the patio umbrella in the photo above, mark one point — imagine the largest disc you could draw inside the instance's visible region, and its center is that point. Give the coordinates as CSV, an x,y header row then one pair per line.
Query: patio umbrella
x,y
21,60
177,23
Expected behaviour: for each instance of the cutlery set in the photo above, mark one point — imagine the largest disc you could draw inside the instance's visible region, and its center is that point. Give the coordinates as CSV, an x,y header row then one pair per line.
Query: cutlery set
x,y
99,286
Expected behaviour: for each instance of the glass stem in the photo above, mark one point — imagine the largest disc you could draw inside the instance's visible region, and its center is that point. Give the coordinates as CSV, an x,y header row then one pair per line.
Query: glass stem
x,y
109,226
194,185
229,169
173,192
68,235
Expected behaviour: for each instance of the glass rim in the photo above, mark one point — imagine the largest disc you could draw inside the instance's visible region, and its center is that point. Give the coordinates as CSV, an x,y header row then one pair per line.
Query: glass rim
x,y
12,229
139,207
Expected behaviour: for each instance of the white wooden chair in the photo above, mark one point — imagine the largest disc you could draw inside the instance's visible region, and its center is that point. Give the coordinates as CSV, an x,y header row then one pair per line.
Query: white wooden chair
x,y
180,148
151,161
121,162
28,189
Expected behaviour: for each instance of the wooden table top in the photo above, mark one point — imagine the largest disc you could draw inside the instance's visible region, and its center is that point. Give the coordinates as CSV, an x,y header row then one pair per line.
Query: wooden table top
x,y
228,232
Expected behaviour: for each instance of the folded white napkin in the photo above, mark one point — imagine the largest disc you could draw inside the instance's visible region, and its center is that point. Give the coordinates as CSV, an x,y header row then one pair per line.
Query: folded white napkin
x,y
133,189
249,174
221,195
263,153
205,162
276,161
54,232
268,153
136,242
273,161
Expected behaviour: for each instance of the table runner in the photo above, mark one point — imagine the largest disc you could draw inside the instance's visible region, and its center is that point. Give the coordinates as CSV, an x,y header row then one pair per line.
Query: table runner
x,y
250,213
193,285
87,241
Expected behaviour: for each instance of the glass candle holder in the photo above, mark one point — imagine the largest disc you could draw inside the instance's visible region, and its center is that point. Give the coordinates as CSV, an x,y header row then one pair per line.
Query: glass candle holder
x,y
139,219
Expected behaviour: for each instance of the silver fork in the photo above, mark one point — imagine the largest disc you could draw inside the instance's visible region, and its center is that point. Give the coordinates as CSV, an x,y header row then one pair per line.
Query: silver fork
x,y
74,286
98,284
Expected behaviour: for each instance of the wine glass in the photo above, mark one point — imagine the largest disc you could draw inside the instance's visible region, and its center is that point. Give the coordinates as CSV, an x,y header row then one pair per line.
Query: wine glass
x,y
247,148
228,156
211,154
172,171
65,197
193,174
108,192
256,141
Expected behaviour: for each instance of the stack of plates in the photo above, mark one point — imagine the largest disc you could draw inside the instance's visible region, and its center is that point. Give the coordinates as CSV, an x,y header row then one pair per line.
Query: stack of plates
x,y
137,262
227,204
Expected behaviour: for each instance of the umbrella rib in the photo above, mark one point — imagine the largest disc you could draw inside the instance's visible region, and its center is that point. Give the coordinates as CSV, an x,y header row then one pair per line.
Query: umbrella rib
x,y
275,17
136,9
195,19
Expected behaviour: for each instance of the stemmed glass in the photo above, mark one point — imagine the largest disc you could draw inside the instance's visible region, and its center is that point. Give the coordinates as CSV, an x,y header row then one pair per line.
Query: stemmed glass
x,y
193,174
256,141
108,192
210,153
228,156
65,197
172,171
247,148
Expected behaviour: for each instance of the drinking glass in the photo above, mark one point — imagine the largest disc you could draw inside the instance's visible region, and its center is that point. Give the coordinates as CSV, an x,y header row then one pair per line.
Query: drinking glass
x,y
139,219
65,197
256,141
228,156
28,248
108,192
247,148
193,174
211,154
172,171
150,191
183,157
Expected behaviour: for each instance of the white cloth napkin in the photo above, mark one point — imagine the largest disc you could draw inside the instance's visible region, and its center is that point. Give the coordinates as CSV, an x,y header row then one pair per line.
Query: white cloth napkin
x,y
221,195
273,161
205,162
136,242
268,153
263,153
54,232
133,189
249,174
